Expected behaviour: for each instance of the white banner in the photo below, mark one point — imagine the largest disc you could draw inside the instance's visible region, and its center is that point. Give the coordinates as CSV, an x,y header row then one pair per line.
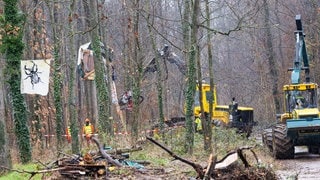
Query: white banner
x,y
35,76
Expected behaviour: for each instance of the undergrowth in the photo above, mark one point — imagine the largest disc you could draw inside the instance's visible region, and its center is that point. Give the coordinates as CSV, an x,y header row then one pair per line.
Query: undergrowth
x,y
223,141
22,176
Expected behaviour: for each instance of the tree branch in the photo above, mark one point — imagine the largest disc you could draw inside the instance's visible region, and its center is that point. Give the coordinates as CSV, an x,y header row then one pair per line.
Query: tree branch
x,y
33,173
198,168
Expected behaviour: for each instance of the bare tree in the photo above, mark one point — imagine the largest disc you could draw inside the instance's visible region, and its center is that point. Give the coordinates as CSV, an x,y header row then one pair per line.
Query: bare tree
x,y
271,57
191,87
159,72
5,158
72,120
207,119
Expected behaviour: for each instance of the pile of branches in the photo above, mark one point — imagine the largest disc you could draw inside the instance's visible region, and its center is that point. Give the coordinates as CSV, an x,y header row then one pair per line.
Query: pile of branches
x,y
228,167
93,164
96,165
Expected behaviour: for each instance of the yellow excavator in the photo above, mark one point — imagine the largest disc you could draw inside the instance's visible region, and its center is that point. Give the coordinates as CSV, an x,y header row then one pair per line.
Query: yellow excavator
x,y
232,115
222,115
226,115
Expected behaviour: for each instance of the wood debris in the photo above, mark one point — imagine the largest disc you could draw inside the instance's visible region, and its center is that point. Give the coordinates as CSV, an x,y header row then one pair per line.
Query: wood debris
x,y
92,164
215,169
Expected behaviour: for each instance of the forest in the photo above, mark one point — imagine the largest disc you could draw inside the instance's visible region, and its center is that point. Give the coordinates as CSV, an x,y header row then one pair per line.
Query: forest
x,y
153,51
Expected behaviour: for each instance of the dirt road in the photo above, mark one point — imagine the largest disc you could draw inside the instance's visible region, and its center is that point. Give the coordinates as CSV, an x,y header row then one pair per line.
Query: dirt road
x,y
304,166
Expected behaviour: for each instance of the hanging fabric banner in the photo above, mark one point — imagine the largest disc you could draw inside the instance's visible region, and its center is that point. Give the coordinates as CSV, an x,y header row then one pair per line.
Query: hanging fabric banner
x,y
85,62
35,76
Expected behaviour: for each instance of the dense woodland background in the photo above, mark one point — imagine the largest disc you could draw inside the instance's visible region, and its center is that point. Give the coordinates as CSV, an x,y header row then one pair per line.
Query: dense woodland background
x,y
252,44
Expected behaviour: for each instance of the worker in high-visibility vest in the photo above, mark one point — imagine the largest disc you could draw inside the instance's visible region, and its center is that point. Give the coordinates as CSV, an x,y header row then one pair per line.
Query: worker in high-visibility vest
x,y
88,130
198,123
68,134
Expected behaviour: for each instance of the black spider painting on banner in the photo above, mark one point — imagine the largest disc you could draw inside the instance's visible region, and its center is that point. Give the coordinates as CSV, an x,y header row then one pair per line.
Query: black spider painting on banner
x,y
32,73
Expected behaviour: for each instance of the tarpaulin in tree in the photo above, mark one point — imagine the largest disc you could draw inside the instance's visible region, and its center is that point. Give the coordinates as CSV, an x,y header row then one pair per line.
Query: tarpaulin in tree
x,y
85,64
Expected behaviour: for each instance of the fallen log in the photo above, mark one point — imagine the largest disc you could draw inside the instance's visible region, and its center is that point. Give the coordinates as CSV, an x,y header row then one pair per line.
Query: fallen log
x,y
197,167
74,170
118,151
233,156
124,150
104,154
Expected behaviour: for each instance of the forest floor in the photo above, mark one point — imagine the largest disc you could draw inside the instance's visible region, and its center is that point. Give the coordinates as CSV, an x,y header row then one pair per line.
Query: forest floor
x,y
163,166
178,170
304,166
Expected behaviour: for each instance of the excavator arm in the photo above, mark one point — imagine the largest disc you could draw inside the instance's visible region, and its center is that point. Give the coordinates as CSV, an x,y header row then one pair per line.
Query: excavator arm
x,y
166,54
300,56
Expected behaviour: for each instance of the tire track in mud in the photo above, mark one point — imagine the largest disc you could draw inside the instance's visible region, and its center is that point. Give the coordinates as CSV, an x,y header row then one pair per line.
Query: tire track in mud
x,y
304,166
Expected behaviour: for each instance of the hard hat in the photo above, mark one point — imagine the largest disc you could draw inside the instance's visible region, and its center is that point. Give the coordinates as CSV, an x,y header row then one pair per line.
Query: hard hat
x,y
87,120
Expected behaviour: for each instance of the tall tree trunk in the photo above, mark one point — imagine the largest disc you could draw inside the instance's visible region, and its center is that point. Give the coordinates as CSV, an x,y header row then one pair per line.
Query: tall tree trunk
x,y
105,124
191,87
186,40
74,128
186,26
199,84
57,93
271,56
159,72
138,71
128,60
206,123
5,158
12,47
89,87
34,101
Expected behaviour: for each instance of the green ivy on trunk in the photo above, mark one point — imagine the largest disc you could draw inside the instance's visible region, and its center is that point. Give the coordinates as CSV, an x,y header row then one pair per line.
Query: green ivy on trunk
x,y
57,96
12,47
103,98
57,80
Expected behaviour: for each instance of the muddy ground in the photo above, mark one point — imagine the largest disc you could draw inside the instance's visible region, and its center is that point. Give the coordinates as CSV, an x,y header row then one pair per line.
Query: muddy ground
x,y
304,166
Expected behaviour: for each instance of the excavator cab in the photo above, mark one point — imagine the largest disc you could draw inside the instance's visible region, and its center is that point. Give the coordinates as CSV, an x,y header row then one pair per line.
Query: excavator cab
x,y
300,96
207,98
301,104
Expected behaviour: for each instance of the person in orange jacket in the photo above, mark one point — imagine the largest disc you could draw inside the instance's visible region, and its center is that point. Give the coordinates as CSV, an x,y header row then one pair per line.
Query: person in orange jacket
x,y
88,130
68,134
